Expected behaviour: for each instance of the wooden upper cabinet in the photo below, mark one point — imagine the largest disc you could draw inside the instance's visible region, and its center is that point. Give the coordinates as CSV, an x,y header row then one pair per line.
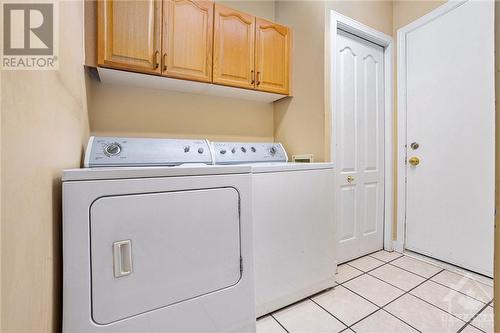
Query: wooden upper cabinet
x,y
188,39
272,57
129,35
234,41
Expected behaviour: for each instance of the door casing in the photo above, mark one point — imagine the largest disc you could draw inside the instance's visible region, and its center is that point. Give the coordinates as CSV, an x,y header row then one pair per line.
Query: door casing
x,y
338,21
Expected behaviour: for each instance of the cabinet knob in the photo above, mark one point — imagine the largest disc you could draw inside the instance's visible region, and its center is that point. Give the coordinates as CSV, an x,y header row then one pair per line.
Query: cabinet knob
x,y
258,78
164,62
252,76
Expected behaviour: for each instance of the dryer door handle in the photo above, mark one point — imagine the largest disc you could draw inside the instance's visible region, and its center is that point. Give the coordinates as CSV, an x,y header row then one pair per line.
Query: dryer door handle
x,y
122,258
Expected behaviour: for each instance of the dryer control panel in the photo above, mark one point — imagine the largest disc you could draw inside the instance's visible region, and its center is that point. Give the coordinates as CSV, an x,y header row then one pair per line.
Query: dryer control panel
x,y
244,152
119,151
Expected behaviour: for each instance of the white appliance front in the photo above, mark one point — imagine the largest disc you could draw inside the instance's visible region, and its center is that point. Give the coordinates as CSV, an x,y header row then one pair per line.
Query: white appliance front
x,y
169,254
294,232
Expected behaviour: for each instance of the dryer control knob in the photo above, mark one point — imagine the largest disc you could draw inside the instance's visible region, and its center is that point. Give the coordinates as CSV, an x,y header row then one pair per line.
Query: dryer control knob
x,y
272,151
223,151
112,149
200,150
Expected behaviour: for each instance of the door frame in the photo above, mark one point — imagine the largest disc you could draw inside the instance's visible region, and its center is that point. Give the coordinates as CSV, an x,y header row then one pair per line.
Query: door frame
x,y
399,242
344,23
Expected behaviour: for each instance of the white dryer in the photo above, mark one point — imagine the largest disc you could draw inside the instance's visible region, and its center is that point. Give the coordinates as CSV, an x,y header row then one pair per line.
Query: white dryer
x,y
294,226
157,249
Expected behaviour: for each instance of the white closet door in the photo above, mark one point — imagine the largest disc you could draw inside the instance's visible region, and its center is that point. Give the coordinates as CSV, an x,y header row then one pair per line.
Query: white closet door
x,y
359,146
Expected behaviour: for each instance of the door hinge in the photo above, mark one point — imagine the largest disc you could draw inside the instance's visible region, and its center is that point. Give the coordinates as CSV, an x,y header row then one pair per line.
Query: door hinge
x,y
241,265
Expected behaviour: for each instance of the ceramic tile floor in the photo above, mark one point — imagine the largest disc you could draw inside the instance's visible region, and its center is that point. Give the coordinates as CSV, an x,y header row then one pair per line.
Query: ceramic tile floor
x,y
387,292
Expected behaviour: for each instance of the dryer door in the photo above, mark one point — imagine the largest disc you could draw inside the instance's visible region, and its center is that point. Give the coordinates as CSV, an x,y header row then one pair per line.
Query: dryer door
x,y
153,250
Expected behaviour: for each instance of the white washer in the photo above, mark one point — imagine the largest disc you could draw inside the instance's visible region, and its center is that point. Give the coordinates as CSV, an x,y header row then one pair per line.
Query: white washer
x,y
157,249
294,226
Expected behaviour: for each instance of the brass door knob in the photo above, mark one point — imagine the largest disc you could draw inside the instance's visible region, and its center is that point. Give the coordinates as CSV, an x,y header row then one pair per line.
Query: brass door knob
x,y
350,179
414,161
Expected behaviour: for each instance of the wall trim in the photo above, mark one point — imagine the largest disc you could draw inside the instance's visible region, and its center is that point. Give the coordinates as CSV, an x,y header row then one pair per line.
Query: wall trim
x,y
339,21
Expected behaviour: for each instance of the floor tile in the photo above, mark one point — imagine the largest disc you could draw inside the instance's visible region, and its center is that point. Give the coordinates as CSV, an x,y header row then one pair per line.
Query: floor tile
x,y
470,287
470,329
345,305
484,320
346,272
397,277
382,322
366,263
386,255
416,266
269,325
423,316
373,289
460,305
307,317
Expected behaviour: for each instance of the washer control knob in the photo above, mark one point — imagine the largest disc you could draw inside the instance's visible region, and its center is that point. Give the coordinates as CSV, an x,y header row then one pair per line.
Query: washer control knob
x,y
272,151
222,151
112,149
253,149
186,149
200,150
243,149
233,150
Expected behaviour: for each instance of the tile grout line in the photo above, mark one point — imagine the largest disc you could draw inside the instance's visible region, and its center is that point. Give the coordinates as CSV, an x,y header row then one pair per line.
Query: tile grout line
x,y
272,316
469,323
331,314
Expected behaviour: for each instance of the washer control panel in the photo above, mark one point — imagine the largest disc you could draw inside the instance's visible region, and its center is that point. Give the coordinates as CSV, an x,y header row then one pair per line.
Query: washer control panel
x,y
116,151
244,152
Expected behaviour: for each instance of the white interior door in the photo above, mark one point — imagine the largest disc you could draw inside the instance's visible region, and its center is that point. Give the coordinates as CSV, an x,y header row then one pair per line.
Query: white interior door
x,y
450,115
359,146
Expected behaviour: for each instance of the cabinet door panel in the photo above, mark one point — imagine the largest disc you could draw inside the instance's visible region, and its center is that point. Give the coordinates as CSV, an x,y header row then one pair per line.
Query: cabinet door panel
x,y
234,36
129,35
187,39
272,61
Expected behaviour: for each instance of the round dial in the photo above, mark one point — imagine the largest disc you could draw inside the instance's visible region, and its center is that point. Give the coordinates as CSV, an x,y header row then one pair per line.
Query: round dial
x,y
272,151
113,149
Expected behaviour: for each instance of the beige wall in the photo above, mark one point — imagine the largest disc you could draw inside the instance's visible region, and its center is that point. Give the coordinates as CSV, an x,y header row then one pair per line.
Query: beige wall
x,y
44,125
115,110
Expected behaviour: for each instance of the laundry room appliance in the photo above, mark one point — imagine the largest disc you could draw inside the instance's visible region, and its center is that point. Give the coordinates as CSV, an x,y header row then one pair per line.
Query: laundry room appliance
x,y
294,226
157,249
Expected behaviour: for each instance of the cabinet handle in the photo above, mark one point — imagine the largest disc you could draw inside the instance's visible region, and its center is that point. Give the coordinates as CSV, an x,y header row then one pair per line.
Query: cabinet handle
x,y
252,76
258,78
164,62
156,61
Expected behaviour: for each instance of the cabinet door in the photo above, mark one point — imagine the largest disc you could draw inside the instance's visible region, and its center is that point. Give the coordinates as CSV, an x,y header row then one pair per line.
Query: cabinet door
x,y
272,61
234,36
129,35
187,39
